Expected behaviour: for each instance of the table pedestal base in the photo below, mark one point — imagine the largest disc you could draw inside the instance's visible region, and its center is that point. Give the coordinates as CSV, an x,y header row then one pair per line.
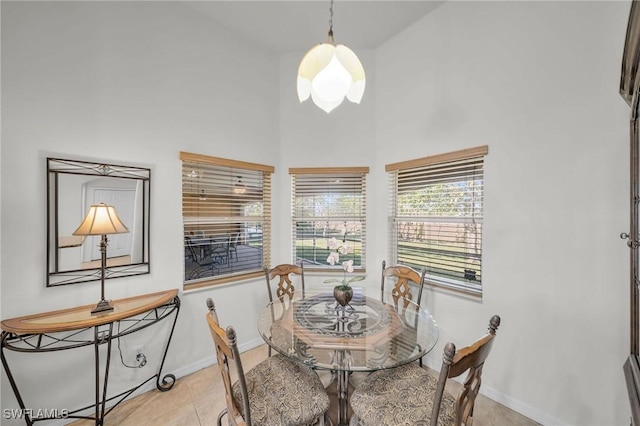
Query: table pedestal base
x,y
337,405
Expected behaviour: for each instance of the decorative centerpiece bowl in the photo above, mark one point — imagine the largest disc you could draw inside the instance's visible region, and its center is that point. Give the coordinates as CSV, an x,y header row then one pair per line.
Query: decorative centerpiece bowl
x,y
343,294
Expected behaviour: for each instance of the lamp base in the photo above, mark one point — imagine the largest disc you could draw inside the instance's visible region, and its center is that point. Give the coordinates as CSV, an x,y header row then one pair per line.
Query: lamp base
x,y
102,306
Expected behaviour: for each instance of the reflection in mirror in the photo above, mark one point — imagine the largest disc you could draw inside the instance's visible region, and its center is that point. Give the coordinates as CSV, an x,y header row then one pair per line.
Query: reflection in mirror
x,y
72,187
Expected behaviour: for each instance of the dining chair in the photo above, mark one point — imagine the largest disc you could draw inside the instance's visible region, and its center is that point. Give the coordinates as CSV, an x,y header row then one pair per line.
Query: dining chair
x,y
283,272
189,251
206,265
284,286
276,392
401,291
233,246
410,395
220,248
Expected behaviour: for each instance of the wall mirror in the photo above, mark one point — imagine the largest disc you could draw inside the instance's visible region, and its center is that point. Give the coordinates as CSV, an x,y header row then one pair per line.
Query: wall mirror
x,y
73,186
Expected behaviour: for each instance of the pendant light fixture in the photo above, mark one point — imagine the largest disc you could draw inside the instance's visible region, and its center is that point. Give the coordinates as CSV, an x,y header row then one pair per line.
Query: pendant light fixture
x,y
329,72
238,187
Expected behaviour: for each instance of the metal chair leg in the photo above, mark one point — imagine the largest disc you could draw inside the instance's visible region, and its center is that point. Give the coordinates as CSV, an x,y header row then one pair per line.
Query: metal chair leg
x,y
220,416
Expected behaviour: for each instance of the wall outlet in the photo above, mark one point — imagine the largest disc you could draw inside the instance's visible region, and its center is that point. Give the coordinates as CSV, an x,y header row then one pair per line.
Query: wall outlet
x,y
141,358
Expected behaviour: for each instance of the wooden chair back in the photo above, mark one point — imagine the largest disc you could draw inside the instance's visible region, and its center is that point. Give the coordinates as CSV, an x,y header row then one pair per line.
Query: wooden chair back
x,y
402,289
227,354
470,358
284,287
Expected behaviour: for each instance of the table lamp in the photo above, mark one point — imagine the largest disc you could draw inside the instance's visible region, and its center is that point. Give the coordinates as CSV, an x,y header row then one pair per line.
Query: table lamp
x,y
101,219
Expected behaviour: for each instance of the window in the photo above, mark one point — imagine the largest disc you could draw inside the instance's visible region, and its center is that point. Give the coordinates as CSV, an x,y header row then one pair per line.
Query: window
x,y
436,217
326,203
226,210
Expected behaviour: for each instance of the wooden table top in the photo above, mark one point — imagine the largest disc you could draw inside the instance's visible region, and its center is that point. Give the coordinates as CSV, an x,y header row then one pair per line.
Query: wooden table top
x,y
81,317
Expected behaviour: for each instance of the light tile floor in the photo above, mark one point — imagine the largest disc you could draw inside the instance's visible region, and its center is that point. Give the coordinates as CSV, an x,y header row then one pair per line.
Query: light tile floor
x,y
196,400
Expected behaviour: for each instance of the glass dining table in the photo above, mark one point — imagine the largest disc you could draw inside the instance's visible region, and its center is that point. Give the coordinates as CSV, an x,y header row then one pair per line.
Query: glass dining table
x,y
373,332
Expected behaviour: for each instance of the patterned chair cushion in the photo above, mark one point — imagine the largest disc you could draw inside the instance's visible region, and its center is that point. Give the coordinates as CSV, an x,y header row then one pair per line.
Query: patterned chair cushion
x,y
283,393
400,396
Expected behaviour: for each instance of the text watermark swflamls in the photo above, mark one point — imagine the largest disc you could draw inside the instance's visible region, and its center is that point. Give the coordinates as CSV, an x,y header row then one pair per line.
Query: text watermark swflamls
x,y
35,413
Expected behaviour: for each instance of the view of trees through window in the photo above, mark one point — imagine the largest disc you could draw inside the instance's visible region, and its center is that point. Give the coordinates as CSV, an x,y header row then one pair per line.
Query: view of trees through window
x,y
439,230
312,241
437,214
328,204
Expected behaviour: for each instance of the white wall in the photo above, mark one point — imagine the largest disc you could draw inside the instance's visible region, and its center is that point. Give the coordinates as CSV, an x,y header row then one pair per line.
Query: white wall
x,y
125,83
537,82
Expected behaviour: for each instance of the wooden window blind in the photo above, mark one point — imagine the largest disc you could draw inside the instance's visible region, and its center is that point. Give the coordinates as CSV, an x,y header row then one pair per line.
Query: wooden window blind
x,y
436,217
226,210
326,203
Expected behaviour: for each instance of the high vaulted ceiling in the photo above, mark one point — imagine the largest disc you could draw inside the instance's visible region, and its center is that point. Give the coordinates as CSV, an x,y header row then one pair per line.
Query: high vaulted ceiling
x,y
296,26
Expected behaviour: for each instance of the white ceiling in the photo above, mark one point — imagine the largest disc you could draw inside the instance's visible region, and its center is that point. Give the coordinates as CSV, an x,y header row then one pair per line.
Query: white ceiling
x,y
296,26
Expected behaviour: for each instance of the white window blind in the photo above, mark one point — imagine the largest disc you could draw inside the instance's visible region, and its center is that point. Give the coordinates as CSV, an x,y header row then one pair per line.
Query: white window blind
x,y
436,217
326,203
226,209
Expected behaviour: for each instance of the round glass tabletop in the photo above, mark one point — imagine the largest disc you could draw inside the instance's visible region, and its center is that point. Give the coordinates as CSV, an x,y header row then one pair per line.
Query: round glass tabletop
x,y
370,333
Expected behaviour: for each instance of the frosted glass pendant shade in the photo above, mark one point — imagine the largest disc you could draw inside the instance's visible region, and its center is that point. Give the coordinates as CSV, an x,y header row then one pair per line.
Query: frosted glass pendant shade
x,y
328,73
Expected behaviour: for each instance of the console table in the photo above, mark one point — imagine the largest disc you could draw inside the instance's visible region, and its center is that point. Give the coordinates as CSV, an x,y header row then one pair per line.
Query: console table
x,y
77,327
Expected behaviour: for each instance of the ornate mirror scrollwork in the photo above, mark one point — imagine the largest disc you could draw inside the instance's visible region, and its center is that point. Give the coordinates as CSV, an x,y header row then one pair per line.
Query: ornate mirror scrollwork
x,y
73,186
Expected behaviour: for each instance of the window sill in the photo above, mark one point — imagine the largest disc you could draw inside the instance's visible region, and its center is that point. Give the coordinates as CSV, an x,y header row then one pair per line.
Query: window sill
x,y
213,282
457,289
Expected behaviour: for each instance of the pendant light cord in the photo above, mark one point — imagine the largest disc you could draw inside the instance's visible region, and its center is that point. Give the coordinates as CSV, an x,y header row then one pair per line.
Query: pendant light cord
x,y
331,21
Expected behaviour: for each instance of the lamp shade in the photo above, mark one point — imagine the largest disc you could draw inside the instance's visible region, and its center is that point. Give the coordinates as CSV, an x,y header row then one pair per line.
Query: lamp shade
x,y
101,219
329,72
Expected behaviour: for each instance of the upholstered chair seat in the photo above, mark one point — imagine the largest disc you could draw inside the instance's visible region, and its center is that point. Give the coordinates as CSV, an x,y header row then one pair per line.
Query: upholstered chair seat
x,y
400,396
409,395
283,393
276,392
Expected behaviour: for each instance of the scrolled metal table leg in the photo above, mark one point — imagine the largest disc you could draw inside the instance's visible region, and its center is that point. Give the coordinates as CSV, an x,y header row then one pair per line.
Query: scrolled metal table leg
x,y
169,379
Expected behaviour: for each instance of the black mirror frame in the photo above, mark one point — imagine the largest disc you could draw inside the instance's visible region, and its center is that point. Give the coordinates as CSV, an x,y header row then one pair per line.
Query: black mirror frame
x,y
57,166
